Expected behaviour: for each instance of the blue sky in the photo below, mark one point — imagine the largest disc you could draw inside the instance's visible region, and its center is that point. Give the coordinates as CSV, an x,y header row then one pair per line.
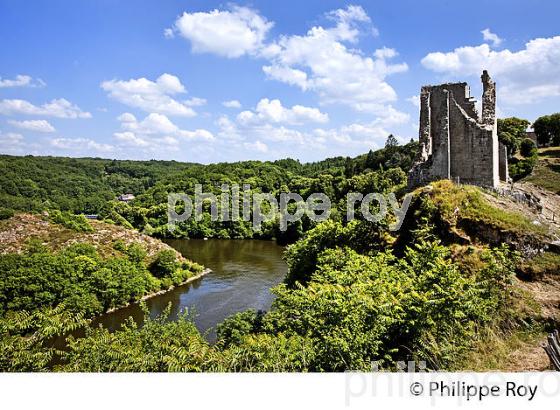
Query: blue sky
x,y
209,81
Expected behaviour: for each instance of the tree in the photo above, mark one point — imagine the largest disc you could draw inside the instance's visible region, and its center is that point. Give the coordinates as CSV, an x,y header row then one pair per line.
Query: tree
x,y
547,129
528,148
511,132
165,264
391,141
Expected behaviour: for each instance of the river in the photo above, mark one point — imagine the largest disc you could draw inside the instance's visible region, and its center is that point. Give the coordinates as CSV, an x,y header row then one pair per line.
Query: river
x,y
243,271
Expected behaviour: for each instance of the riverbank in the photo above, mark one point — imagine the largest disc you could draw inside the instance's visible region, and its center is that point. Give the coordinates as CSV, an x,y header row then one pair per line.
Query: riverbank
x,y
242,274
159,292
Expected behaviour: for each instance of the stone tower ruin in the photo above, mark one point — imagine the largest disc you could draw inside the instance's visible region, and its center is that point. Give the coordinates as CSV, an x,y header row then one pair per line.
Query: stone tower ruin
x,y
455,142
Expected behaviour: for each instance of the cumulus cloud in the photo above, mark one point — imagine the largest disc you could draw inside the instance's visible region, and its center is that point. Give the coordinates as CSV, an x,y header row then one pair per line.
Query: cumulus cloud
x,y
256,146
322,62
272,111
232,104
288,75
33,125
523,76
59,108
81,145
325,60
156,129
414,100
487,35
228,33
21,81
270,124
14,144
153,96
10,138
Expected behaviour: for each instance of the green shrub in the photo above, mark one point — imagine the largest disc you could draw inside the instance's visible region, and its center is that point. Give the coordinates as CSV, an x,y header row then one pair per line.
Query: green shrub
x,y
136,253
234,328
521,168
6,213
165,264
78,223
528,148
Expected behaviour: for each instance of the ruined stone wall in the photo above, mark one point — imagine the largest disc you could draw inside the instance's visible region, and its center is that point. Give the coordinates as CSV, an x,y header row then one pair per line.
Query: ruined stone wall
x,y
454,143
504,171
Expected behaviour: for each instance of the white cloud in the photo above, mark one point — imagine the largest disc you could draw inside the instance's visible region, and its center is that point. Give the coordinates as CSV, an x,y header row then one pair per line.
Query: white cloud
x,y
12,143
487,35
291,76
267,125
33,125
156,129
153,96
59,108
256,146
10,138
320,61
195,102
523,76
272,111
81,145
168,33
21,81
232,104
130,138
228,33
414,100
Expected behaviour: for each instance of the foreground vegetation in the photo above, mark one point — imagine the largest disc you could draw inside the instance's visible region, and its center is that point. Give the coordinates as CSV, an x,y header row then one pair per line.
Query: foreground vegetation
x,y
440,290
347,302
354,309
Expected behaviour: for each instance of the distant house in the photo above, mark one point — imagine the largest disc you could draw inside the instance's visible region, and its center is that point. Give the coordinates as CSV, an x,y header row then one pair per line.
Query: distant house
x,y
125,197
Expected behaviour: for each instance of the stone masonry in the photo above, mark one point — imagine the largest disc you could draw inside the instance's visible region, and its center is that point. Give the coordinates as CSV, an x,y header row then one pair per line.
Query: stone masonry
x,y
455,142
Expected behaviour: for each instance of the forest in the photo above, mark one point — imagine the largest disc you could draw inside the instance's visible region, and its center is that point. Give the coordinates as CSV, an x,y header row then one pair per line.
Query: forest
x,y
91,186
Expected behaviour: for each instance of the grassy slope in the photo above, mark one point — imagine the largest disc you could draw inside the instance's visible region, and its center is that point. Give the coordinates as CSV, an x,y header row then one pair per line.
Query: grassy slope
x,y
18,230
468,205
546,173
538,293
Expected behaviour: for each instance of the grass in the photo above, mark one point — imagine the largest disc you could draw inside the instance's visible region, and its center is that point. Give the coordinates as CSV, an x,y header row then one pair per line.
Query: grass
x,y
546,173
467,202
546,263
518,350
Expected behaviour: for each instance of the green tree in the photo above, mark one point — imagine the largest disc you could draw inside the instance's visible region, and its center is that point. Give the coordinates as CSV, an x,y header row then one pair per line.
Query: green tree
x,y
165,264
547,129
391,141
528,148
511,131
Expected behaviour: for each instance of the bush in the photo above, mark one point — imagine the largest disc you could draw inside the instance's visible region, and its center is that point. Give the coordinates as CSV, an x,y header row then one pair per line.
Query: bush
x,y
528,148
165,264
232,330
78,223
136,253
521,168
6,213
76,276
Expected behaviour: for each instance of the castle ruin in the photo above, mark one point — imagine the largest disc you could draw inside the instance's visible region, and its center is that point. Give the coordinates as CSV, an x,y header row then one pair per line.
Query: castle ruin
x,y
455,142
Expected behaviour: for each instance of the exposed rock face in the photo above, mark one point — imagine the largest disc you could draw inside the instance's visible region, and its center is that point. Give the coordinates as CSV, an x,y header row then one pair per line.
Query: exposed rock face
x,y
455,143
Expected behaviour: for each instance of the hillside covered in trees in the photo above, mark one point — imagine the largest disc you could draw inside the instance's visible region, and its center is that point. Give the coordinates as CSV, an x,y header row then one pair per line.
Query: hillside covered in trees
x,y
91,186
443,289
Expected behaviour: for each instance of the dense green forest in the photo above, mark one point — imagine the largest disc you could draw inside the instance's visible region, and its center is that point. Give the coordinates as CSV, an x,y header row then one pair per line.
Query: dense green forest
x,y
91,186
356,293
